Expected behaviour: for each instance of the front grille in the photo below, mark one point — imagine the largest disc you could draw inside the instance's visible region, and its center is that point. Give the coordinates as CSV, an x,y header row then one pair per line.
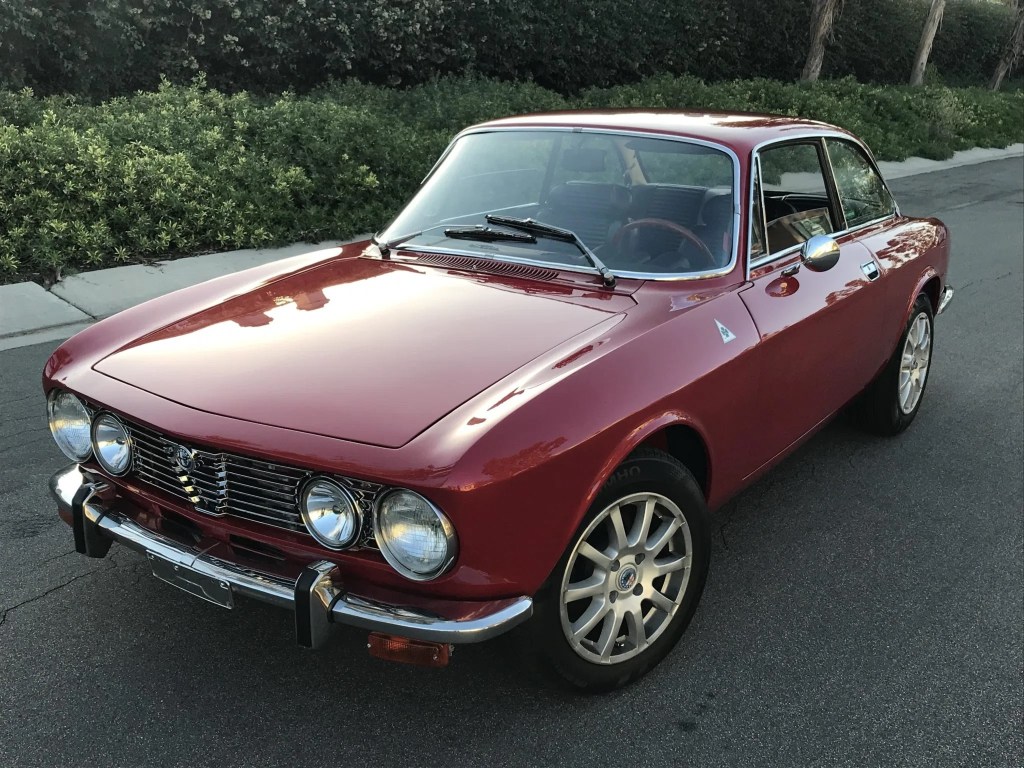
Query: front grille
x,y
229,484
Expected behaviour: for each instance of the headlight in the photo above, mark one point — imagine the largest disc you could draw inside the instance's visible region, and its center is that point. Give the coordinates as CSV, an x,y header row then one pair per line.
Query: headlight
x,y
69,424
111,444
414,536
330,513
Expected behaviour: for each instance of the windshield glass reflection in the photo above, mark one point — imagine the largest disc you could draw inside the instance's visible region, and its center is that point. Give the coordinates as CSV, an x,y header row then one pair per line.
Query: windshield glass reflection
x,y
640,204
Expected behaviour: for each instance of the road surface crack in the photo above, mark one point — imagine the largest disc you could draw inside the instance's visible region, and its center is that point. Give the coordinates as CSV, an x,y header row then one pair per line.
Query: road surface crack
x,y
58,557
51,590
965,286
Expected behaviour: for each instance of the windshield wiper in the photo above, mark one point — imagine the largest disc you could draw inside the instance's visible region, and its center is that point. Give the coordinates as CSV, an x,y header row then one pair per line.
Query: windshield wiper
x,y
456,233
394,242
487,234
556,233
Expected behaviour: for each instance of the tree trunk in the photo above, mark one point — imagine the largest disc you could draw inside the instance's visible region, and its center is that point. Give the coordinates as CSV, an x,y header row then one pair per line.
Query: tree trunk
x,y
1012,52
924,48
823,18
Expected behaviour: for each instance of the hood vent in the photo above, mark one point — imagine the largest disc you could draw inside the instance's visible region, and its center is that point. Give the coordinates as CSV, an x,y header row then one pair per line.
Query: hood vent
x,y
511,269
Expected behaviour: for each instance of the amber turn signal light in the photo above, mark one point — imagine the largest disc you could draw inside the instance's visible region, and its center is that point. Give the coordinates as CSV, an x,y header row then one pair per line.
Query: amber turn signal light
x,y
407,651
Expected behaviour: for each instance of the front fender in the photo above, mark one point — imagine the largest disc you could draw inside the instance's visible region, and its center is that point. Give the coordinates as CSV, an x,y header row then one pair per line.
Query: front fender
x,y
519,491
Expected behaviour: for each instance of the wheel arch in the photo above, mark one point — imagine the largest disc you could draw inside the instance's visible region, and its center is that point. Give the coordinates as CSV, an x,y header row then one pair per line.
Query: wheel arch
x,y
676,433
930,284
932,288
684,443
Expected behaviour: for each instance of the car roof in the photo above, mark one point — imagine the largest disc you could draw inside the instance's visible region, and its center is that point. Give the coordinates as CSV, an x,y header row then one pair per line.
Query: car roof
x,y
740,131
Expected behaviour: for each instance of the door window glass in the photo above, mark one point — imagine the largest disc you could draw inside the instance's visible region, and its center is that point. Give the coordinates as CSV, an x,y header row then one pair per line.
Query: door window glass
x,y
861,191
757,242
795,196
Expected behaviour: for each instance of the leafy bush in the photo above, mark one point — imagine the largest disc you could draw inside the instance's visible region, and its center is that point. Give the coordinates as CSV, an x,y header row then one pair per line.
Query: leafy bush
x,y
184,170
106,48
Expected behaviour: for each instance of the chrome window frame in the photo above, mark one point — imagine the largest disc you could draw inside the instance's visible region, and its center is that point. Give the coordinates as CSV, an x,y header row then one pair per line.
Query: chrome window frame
x,y
628,275
830,185
871,164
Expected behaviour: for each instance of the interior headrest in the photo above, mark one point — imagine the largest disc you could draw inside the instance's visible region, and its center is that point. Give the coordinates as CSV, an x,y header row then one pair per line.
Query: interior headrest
x,y
717,210
583,194
583,160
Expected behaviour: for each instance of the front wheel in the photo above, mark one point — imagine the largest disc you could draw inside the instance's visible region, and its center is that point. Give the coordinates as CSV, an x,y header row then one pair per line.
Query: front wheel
x,y
630,581
892,400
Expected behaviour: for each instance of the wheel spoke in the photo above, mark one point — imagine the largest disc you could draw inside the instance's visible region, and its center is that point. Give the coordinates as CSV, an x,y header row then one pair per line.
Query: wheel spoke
x,y
591,618
589,587
642,524
912,336
594,555
618,530
926,335
664,534
671,564
636,630
662,602
609,632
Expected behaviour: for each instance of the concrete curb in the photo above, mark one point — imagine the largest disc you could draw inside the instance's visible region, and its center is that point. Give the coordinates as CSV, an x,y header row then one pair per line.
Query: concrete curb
x,y
29,314
914,166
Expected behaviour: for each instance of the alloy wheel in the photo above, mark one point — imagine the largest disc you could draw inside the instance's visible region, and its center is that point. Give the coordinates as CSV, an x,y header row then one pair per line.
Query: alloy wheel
x,y
626,578
917,352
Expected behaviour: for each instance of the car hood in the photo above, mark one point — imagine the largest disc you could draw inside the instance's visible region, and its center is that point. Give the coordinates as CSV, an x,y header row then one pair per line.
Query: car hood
x,y
359,349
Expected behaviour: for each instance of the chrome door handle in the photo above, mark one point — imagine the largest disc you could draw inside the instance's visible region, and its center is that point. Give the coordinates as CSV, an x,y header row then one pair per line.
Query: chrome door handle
x,y
870,270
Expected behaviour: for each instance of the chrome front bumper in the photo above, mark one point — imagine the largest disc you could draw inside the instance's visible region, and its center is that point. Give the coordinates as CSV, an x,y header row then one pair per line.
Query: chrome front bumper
x,y
314,597
944,299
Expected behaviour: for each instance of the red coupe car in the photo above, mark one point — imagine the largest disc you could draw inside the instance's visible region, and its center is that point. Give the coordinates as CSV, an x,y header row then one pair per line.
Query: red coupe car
x,y
521,399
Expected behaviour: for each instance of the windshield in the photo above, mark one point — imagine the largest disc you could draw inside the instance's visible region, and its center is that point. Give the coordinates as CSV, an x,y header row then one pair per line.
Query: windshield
x,y
642,205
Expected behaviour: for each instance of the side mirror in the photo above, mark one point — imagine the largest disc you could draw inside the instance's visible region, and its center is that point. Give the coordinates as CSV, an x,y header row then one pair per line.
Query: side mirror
x,y
820,253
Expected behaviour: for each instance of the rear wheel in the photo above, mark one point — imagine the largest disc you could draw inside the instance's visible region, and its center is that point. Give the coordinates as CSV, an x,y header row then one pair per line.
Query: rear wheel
x,y
630,581
892,400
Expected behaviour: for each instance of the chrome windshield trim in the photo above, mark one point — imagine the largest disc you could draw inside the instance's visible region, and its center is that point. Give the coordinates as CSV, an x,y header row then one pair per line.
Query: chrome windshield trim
x,y
656,276
755,164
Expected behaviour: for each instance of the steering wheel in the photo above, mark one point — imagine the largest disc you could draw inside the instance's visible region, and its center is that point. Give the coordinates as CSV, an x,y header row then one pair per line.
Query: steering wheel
x,y
679,229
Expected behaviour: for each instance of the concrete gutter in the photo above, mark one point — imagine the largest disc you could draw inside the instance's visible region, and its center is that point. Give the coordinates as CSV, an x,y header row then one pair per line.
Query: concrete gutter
x,y
29,314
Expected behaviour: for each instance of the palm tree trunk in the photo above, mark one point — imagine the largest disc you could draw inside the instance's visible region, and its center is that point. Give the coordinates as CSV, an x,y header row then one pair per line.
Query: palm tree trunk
x,y
823,18
1012,52
924,48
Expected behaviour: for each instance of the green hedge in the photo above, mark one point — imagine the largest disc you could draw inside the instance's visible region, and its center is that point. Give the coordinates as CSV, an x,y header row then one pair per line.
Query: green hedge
x,y
189,169
105,48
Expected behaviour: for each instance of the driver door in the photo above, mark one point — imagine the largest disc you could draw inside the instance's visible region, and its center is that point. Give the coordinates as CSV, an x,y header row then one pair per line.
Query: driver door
x,y
817,328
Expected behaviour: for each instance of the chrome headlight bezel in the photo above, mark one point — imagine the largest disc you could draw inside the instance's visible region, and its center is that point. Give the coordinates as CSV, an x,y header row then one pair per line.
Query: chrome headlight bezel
x,y
61,438
344,494
388,547
106,418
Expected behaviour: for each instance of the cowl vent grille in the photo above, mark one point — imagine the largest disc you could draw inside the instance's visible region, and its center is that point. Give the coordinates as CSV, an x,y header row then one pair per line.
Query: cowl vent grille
x,y
487,265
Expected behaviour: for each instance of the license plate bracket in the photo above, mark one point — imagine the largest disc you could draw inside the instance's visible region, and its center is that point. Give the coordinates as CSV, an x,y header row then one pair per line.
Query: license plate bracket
x,y
213,590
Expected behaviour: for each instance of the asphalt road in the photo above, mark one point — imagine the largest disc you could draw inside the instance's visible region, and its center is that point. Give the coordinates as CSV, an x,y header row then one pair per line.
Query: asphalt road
x,y
864,606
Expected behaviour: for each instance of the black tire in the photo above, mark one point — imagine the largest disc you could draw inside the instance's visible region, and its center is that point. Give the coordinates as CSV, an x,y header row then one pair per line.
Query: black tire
x,y
645,471
879,409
